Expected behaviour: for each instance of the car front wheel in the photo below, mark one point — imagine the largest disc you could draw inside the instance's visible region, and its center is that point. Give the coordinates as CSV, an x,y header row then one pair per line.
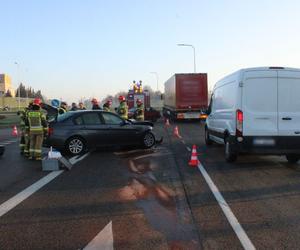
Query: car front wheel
x,y
75,146
148,140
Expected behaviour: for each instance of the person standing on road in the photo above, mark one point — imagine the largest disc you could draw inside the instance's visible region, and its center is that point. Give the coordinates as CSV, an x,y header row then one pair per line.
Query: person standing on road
x,y
107,106
139,113
38,128
74,106
81,106
26,135
22,115
123,108
95,104
63,108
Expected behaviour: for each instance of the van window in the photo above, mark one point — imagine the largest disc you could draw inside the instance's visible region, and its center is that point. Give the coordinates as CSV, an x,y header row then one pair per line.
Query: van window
x,y
225,97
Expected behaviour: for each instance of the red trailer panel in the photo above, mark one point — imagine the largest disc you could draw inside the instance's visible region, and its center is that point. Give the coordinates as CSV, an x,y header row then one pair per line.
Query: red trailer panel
x,y
186,95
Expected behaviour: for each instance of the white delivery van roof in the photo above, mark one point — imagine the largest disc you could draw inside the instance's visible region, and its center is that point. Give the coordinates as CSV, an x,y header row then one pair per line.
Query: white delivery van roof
x,y
236,76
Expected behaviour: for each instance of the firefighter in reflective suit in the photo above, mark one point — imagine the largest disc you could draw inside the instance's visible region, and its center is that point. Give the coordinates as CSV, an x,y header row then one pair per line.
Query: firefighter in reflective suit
x,y
123,108
139,113
38,128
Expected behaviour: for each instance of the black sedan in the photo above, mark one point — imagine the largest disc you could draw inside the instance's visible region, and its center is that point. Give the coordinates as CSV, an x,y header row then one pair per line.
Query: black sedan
x,y
78,131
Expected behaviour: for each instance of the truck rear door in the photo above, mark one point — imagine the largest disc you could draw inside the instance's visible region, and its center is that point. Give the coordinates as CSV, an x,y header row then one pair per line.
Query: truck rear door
x,y
289,102
259,103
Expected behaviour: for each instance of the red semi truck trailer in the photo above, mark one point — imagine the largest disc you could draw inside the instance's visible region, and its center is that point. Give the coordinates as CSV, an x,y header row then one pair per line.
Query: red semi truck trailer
x,y
185,96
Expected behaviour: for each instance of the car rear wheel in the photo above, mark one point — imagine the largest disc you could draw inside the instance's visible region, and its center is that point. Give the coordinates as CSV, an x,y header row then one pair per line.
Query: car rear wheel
x,y
230,155
292,158
75,146
148,140
208,141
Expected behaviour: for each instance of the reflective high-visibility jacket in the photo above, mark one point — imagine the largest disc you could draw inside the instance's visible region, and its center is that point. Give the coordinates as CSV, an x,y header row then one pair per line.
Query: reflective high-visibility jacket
x,y
37,122
139,113
123,110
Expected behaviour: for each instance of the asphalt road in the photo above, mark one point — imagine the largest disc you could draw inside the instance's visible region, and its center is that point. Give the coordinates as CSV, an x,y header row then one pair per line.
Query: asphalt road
x,y
151,199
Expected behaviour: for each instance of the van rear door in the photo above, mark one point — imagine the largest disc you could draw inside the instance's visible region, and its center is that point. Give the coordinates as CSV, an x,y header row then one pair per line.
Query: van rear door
x,y
259,103
288,102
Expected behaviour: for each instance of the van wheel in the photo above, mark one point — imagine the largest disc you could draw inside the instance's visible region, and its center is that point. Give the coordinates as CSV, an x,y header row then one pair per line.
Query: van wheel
x,y
292,158
230,155
208,141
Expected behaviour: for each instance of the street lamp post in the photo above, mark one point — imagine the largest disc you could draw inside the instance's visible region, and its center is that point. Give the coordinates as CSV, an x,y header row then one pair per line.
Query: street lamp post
x,y
19,90
155,73
190,45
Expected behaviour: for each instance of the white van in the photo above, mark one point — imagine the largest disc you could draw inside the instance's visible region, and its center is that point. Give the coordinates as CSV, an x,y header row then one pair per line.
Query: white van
x,y
256,110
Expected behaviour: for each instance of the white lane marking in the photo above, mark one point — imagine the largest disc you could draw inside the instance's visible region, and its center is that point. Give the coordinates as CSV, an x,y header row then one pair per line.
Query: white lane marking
x,y
20,197
11,141
80,158
17,199
77,158
6,143
104,240
148,155
239,231
72,159
131,151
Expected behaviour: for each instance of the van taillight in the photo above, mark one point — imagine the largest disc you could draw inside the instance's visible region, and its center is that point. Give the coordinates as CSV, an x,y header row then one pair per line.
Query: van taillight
x,y
239,123
50,131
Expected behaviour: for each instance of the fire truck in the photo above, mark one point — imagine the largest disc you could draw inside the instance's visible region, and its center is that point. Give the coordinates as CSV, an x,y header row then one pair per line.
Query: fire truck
x,y
137,92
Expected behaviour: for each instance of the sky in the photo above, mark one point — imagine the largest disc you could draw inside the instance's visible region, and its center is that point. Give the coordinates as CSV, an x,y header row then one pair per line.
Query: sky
x,y
73,49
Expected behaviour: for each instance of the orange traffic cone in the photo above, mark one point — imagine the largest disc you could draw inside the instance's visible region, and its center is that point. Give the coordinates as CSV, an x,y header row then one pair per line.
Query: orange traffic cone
x,y
176,132
167,123
194,159
15,131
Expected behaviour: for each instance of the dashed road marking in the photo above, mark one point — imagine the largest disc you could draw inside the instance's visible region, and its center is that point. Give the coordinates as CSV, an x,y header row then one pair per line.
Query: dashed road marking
x,y
104,240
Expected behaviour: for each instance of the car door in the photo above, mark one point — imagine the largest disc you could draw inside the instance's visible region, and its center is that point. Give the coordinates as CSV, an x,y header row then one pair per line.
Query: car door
x,y
94,130
288,103
119,131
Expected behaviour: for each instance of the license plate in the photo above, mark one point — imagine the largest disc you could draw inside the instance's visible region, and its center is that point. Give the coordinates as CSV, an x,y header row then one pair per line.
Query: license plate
x,y
264,142
191,115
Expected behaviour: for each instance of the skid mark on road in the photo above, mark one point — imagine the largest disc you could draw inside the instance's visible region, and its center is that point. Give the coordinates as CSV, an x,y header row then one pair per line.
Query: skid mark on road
x,y
158,201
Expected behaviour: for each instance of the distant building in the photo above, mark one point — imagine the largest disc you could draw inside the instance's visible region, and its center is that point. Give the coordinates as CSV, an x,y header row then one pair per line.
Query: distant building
x,y
5,85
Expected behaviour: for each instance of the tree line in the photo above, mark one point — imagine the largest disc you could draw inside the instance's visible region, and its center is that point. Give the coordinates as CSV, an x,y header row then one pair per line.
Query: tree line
x,y
29,92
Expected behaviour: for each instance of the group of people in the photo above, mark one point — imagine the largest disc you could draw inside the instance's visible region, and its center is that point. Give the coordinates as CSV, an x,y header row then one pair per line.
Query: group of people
x,y
121,110
34,128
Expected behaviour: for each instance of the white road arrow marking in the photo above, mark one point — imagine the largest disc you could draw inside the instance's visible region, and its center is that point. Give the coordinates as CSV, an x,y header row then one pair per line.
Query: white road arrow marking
x,y
104,240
